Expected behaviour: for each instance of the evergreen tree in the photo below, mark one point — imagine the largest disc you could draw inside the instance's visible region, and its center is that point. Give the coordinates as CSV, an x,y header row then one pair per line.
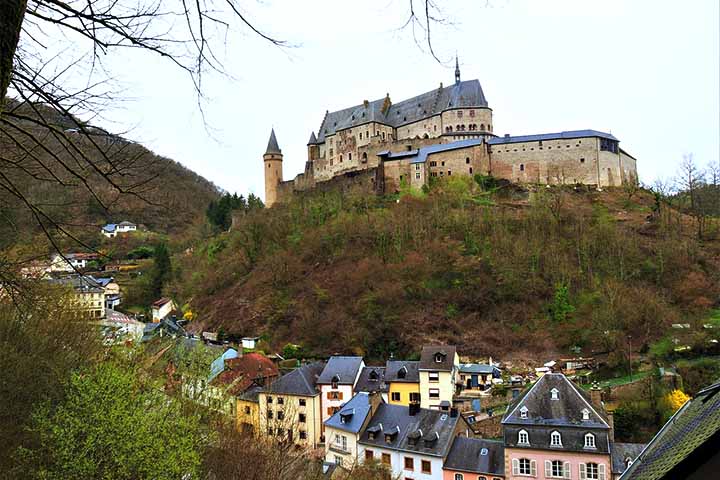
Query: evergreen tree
x,y
161,270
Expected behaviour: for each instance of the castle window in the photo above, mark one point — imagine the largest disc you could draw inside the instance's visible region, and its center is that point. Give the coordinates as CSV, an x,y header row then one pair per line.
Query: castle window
x,y
472,113
540,143
434,128
360,135
582,160
442,163
383,135
417,176
467,159
404,119
522,167
470,170
364,157
349,156
341,159
459,113
449,173
482,126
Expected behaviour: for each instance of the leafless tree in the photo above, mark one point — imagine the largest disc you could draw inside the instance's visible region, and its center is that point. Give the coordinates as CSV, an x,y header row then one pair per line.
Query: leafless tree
x,y
692,186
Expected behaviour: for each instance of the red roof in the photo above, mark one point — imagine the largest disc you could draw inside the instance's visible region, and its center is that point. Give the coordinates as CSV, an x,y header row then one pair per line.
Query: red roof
x,y
161,302
240,372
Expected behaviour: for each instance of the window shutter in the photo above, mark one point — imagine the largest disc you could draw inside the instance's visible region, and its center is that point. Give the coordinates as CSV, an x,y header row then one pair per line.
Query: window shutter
x,y
516,466
548,468
566,470
533,468
601,471
583,471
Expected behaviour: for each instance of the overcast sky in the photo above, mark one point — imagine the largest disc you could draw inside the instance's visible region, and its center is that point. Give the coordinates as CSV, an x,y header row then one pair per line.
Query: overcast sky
x,y
645,70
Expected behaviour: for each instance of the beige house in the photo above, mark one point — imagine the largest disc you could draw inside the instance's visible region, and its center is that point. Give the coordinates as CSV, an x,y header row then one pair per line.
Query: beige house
x,y
289,409
162,308
438,371
88,297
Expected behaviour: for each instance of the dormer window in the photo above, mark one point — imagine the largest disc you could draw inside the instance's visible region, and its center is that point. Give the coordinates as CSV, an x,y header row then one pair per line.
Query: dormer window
x,y
431,439
439,357
335,380
554,394
392,434
373,376
523,412
402,373
346,415
523,438
586,414
484,451
589,440
555,439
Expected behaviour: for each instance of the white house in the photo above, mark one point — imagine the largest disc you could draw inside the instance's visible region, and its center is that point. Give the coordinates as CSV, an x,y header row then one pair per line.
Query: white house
x,y
112,229
69,262
337,383
162,308
250,342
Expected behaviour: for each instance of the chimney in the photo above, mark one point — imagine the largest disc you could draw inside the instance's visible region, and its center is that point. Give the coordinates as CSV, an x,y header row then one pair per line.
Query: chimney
x,y
375,399
611,422
413,409
596,396
507,135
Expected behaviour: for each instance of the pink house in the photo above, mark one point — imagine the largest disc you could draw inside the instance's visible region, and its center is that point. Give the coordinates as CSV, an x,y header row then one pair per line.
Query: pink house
x,y
553,431
337,383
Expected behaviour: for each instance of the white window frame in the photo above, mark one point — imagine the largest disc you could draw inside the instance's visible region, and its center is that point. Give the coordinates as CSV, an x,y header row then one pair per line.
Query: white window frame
x,y
552,472
585,414
554,394
523,412
599,474
523,437
590,441
555,439
532,464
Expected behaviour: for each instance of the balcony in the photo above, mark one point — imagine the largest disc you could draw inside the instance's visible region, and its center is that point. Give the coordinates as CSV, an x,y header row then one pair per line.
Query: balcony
x,y
334,447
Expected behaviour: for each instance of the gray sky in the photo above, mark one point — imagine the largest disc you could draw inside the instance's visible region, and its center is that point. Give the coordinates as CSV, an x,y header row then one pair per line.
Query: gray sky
x,y
645,70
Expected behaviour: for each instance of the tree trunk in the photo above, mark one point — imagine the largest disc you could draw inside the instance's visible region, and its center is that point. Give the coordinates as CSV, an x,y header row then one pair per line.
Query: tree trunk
x,y
11,18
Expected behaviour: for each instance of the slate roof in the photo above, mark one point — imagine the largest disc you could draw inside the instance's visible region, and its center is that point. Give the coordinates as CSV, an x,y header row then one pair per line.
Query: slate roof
x,y
352,415
566,411
345,368
477,456
478,368
693,427
464,94
125,223
110,227
551,136
422,153
272,146
79,283
313,139
428,361
241,373
621,451
432,429
252,394
301,381
392,367
366,382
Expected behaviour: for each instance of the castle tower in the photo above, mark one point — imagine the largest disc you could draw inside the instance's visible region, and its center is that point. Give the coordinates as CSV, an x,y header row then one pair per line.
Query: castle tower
x,y
273,170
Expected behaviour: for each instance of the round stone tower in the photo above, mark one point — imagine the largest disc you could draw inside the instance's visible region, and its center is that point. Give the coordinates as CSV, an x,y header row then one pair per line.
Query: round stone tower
x,y
273,170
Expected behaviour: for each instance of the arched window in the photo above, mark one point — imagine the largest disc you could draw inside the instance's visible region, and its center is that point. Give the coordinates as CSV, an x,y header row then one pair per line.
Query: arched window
x,y
586,414
522,167
554,394
523,412
523,438
589,440
467,160
341,157
349,156
482,126
364,157
459,476
555,439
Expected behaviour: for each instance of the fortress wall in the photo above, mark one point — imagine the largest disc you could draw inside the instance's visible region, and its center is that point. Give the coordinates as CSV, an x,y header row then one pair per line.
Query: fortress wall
x,y
464,161
554,162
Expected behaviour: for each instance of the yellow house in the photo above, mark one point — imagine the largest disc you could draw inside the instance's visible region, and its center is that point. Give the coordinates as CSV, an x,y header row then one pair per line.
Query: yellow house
x,y
248,411
403,382
438,371
289,409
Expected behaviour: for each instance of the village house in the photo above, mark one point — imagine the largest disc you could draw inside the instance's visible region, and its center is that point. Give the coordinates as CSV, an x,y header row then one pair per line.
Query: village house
x,y
87,296
475,459
337,383
162,308
553,431
71,262
249,343
248,411
403,380
438,370
239,374
477,376
290,407
412,442
111,230
372,380
343,429
112,291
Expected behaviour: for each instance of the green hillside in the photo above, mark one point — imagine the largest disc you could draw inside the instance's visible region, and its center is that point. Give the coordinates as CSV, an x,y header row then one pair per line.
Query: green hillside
x,y
504,272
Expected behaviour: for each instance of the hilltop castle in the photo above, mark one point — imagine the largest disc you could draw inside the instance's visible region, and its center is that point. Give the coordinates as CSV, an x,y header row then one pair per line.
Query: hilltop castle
x,y
377,146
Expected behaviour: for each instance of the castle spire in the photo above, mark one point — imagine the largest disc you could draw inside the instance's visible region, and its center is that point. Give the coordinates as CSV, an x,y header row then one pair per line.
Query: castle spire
x,y
272,146
457,70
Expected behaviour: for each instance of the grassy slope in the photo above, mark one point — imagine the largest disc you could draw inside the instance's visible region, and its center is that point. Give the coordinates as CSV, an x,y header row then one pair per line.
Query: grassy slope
x,y
338,274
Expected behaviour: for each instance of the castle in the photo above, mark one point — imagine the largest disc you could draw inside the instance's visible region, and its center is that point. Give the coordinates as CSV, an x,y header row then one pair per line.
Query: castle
x,y
377,146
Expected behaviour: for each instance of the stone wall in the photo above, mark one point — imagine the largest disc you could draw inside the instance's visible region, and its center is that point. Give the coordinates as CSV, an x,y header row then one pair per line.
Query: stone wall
x,y
356,182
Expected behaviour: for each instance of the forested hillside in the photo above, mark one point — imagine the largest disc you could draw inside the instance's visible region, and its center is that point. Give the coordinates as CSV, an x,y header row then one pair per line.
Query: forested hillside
x,y
162,195
494,270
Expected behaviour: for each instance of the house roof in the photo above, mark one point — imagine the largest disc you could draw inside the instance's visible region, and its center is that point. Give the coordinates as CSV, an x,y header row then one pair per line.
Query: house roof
x,y
463,94
301,381
428,432
393,367
352,415
619,452
110,227
104,281
477,456
343,370
125,223
272,146
420,155
478,368
313,139
241,372
252,394
371,379
551,136
565,411
161,302
431,353
79,283
691,428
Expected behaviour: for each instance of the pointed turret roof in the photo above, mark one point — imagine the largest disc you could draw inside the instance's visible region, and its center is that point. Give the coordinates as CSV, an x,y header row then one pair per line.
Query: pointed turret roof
x,y
272,146
457,70
313,139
